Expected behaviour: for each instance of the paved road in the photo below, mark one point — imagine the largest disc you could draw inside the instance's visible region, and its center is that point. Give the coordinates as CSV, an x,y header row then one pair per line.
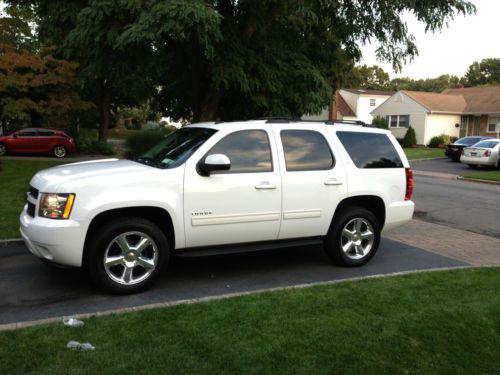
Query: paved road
x,y
445,166
461,204
31,291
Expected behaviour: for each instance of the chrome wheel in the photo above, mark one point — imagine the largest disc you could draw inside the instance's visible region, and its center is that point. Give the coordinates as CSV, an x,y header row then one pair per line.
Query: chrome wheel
x,y
59,151
130,258
357,238
3,150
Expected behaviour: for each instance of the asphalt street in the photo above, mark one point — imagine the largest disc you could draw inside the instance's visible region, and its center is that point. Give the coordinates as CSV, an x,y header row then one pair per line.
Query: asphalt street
x,y
461,204
31,291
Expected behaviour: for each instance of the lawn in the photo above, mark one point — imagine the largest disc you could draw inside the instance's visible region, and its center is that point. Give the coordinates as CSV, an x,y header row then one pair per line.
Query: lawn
x,y
14,179
490,175
112,133
431,323
423,153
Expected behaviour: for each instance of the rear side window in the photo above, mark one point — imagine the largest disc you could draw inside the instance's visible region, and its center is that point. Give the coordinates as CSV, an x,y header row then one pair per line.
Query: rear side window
x,y
45,133
370,150
306,150
26,133
248,150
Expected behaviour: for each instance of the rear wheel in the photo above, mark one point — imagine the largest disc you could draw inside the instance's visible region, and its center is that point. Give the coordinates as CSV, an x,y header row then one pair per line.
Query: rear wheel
x,y
59,151
3,149
353,238
127,255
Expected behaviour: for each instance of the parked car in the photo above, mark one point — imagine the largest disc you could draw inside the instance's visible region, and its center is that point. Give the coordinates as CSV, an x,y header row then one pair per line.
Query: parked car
x,y
482,153
454,150
216,188
37,141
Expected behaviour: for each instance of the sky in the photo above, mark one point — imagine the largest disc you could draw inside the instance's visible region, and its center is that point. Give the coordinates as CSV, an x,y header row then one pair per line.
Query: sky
x,y
451,51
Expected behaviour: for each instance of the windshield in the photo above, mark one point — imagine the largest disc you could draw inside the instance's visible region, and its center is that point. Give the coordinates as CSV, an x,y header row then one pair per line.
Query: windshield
x,y
176,148
487,144
468,141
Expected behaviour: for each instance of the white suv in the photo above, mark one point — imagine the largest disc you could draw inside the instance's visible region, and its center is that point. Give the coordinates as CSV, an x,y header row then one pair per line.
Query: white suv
x,y
213,188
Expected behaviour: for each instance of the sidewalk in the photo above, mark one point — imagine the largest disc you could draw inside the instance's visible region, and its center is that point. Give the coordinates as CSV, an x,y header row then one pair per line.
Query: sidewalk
x,y
475,249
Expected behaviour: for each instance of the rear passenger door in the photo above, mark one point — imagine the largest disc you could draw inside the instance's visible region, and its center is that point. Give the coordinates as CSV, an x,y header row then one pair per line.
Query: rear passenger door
x,y
313,180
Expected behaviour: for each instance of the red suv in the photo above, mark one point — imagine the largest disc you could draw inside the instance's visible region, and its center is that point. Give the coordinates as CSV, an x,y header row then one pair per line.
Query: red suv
x,y
37,141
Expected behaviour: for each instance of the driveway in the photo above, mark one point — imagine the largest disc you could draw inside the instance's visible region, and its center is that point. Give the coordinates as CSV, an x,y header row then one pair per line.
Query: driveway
x,y
30,291
444,166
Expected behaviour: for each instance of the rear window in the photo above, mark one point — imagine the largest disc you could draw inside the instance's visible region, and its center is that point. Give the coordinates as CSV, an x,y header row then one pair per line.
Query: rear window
x,y
487,144
370,150
467,141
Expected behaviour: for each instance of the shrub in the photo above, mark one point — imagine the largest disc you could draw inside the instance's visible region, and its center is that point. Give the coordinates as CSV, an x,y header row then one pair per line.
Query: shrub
x,y
140,142
453,139
92,146
380,122
442,139
410,138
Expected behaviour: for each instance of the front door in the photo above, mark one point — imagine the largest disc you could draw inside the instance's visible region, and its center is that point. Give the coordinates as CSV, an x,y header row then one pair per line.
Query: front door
x,y
240,205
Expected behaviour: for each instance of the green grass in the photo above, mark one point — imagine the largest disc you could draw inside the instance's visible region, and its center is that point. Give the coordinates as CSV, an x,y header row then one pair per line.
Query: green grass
x,y
431,323
490,175
423,153
14,179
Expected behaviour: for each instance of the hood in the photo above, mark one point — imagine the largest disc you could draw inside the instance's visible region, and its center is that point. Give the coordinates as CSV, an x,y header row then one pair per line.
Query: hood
x,y
105,171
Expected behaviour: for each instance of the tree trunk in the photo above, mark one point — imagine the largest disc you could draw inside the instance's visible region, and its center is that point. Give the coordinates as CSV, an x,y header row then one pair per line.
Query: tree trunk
x,y
209,109
105,102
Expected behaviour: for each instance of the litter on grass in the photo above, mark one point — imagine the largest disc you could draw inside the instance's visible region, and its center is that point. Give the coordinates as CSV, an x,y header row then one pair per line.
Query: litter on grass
x,y
83,346
72,322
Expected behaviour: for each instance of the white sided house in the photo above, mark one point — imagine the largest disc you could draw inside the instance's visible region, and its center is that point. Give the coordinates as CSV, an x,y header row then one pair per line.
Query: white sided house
x,y
353,105
454,112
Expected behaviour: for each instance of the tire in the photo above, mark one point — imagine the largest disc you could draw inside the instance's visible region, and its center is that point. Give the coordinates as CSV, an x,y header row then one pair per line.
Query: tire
x,y
129,270
3,149
360,250
472,166
59,151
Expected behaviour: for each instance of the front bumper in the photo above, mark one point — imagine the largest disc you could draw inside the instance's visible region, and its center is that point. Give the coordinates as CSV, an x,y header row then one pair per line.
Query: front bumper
x,y
59,241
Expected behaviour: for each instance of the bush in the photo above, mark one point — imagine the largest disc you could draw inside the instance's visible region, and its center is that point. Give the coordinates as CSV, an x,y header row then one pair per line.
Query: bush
x,y
380,122
92,146
440,140
138,143
410,138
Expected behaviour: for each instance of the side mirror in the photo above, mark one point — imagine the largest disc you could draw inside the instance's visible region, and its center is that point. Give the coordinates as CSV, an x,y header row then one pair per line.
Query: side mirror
x,y
214,162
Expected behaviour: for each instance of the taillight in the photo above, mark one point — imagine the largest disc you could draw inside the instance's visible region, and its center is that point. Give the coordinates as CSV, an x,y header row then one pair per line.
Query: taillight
x,y
487,153
409,184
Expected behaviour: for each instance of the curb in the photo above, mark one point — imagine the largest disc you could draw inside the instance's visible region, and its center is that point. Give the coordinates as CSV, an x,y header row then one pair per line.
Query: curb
x,y
478,180
410,160
8,241
18,325
447,176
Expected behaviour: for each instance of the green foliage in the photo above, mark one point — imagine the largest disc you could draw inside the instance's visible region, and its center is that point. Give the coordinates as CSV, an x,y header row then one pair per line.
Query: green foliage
x,y
18,26
94,147
485,72
369,77
138,143
442,139
410,138
380,122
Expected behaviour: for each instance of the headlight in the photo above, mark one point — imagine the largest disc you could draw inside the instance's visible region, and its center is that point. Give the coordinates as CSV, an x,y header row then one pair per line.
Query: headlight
x,y
56,206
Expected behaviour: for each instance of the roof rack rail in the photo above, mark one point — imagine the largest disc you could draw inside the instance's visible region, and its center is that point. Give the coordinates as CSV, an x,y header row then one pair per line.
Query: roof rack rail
x,y
286,120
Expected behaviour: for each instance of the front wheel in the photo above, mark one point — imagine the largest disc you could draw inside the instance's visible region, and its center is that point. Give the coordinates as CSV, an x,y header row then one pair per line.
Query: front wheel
x,y
353,237
127,255
60,151
3,149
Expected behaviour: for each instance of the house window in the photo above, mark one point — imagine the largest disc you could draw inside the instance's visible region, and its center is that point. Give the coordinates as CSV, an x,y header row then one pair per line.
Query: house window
x,y
398,121
373,102
492,124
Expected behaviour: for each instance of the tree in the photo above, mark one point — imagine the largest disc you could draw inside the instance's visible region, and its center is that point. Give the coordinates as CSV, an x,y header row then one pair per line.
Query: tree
x,y
485,72
369,77
230,59
437,84
18,27
37,89
380,122
410,138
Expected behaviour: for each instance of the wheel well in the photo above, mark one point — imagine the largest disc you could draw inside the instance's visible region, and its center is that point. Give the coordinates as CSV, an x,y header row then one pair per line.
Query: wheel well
x,y
372,203
157,215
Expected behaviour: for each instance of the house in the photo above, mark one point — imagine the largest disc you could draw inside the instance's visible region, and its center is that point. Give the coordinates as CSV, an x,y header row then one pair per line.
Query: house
x,y
455,112
352,104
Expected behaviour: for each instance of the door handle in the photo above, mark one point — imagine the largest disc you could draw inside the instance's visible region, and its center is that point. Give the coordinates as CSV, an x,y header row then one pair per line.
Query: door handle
x,y
265,186
333,181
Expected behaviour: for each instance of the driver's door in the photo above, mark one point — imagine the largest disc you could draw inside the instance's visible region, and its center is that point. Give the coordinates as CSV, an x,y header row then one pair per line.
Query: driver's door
x,y
242,204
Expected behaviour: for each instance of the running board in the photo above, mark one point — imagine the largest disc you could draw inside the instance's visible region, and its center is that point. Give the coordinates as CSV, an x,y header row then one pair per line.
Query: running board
x,y
249,247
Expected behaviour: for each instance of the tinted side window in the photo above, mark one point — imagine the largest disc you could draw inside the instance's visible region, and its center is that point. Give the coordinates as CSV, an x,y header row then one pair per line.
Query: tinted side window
x,y
45,133
370,150
26,133
306,150
248,150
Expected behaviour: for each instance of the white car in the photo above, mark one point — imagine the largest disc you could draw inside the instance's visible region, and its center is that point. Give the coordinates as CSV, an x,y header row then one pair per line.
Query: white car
x,y
214,188
486,152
